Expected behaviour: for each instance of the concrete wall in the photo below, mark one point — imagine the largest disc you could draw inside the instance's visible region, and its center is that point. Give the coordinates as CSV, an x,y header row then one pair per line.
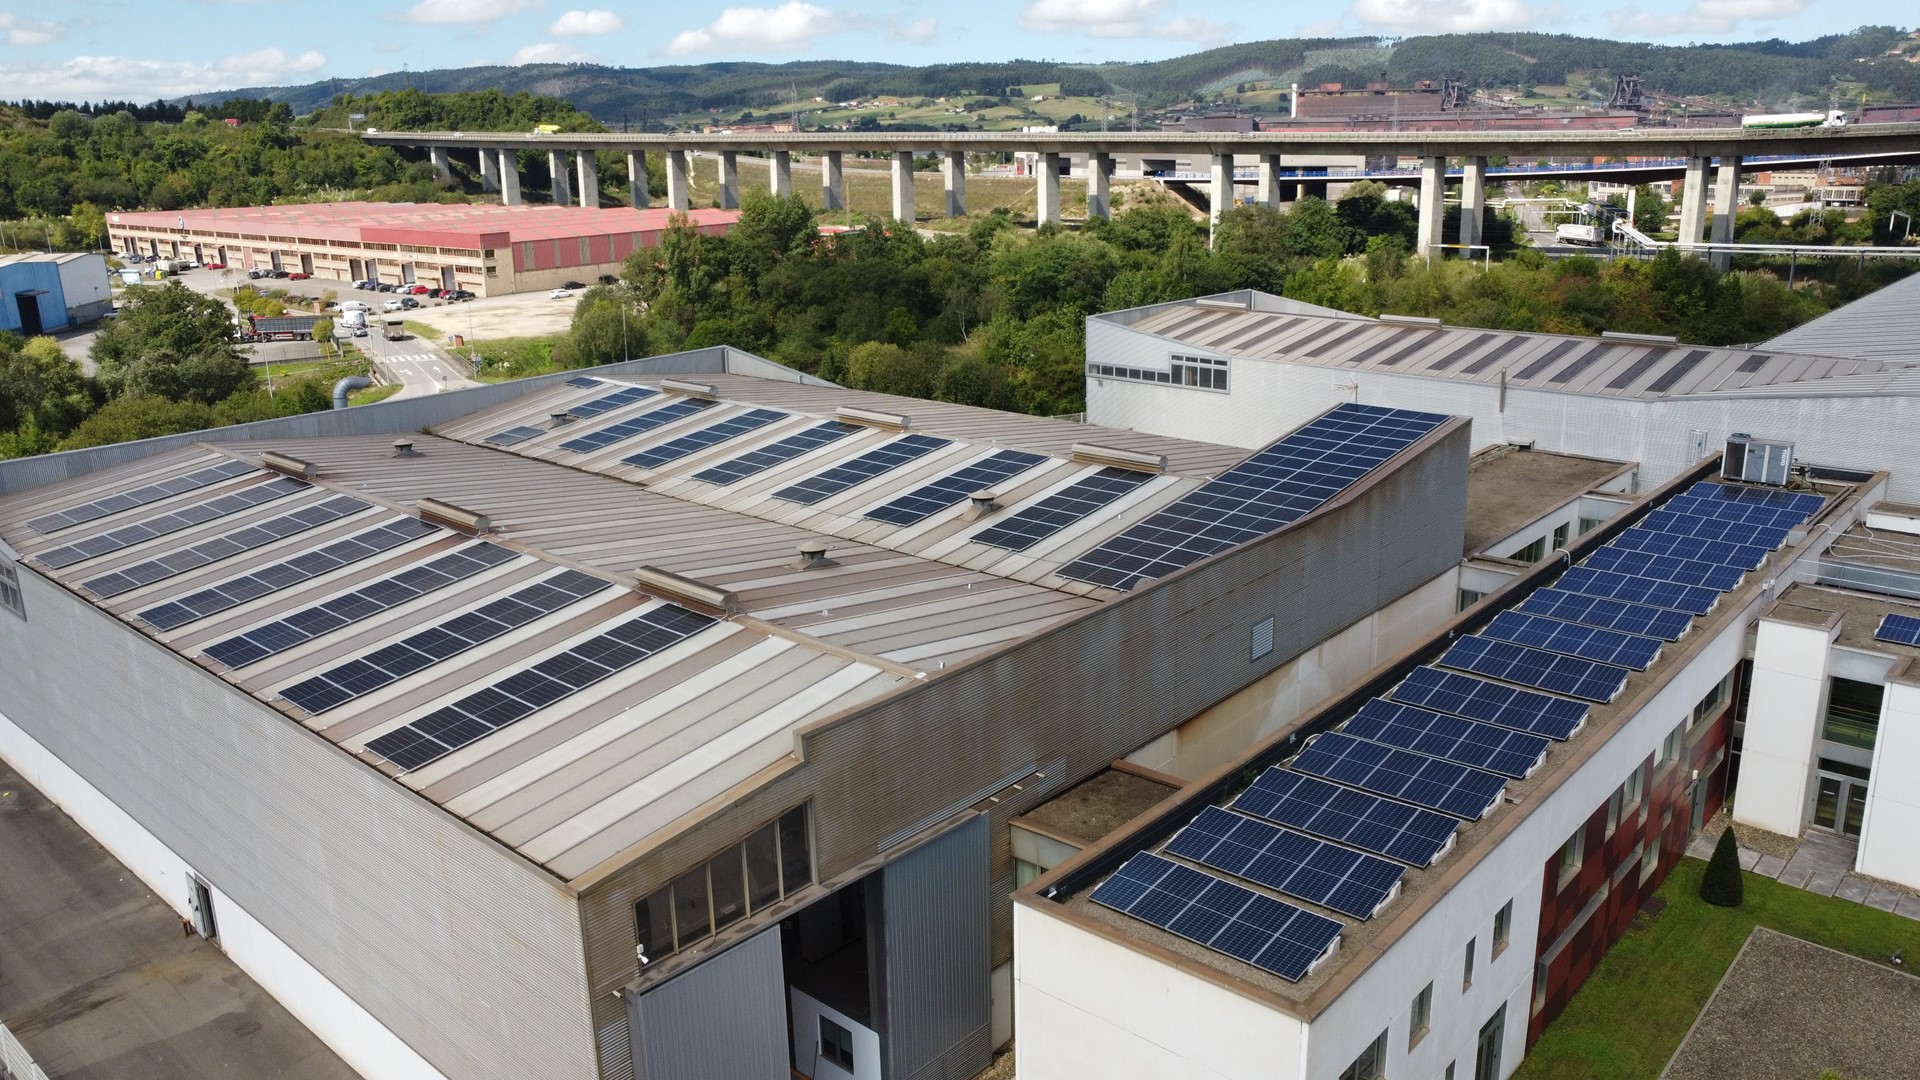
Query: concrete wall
x,y
83,280
1887,847
1790,671
807,1012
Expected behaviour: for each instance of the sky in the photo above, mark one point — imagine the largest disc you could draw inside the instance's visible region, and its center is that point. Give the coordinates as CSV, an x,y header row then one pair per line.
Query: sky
x,y
145,49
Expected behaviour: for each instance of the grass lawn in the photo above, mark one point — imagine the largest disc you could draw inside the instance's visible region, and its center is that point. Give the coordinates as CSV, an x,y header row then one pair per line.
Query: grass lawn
x,y
514,358
372,394
424,330
1631,1014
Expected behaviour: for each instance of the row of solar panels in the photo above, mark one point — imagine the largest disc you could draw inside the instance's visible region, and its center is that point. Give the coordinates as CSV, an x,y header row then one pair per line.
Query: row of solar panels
x,y
1392,781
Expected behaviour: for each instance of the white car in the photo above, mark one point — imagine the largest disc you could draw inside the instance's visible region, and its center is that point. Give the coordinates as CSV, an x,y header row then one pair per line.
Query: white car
x,y
393,305
559,294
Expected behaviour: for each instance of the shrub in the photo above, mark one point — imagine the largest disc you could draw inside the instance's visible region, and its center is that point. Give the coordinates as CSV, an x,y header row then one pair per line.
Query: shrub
x,y
1721,885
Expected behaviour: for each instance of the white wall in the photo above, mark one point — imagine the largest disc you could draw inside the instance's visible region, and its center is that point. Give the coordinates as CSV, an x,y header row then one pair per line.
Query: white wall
x,y
350,1031
1887,846
807,1011
84,281
1784,711
1087,1007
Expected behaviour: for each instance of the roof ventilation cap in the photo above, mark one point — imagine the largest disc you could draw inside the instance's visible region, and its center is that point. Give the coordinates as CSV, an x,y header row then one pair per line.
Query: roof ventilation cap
x,y
1095,454
404,448
1411,320
1644,339
671,586
690,389
981,504
288,464
456,517
871,418
813,556
560,419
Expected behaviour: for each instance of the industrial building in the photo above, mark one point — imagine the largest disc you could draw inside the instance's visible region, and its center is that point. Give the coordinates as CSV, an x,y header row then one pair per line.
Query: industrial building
x,y
486,249
43,292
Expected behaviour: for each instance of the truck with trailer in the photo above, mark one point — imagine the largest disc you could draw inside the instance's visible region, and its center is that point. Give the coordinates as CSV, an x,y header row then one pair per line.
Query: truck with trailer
x,y
394,330
1832,118
1586,235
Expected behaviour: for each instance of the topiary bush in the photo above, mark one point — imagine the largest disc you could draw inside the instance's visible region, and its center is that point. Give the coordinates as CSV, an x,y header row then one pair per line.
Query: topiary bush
x,y
1721,885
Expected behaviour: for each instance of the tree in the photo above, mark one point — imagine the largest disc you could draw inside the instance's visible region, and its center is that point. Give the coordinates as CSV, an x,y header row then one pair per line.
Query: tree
x,y
1721,885
127,418
42,390
886,368
173,343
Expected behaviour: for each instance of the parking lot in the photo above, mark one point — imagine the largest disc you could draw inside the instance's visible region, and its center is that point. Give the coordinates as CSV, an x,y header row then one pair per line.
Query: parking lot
x,y
532,314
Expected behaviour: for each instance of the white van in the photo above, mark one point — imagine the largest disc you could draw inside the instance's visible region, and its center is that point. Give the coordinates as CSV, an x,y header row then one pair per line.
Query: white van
x,y
354,305
354,317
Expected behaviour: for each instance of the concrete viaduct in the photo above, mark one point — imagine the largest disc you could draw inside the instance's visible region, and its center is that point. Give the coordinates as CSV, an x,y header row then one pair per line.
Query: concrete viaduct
x,y
1718,151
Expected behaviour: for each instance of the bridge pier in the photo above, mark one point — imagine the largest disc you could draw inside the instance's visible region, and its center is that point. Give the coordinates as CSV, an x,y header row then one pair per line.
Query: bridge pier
x,y
1693,200
1433,196
1269,194
728,173
903,185
557,167
1048,182
510,177
1219,191
489,169
833,182
953,177
1099,186
1473,198
780,173
441,170
1726,203
637,179
678,196
589,167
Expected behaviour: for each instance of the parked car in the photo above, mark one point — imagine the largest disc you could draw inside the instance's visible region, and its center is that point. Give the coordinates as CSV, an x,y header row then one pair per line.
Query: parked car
x,y
360,331
462,294
277,273
393,305
255,275
409,302
435,294
417,290
559,294
572,285
383,286
216,266
609,279
298,276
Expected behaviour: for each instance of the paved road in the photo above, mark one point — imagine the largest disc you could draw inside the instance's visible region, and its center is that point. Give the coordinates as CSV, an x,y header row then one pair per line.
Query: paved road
x,y
420,365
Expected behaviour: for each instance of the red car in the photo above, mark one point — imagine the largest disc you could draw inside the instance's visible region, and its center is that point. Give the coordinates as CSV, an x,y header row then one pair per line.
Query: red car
x,y
298,276
216,266
417,290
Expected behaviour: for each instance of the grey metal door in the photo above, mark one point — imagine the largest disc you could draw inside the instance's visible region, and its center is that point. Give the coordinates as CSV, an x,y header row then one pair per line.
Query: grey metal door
x,y
938,958
726,1017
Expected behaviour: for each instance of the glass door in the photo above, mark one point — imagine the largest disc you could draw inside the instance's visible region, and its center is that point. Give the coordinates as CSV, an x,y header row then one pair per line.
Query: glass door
x,y
1486,1061
1840,804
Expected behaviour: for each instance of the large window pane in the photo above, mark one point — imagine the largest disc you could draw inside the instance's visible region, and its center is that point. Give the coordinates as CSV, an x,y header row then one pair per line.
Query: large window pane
x,y
796,869
729,889
655,918
1853,713
692,919
763,869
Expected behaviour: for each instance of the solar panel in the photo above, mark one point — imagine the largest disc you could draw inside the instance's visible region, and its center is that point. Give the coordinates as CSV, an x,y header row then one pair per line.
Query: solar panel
x,y
1062,508
184,518
370,599
1334,877
1748,513
583,382
140,496
213,550
1799,502
1270,934
1469,742
925,501
512,435
1573,639
694,441
447,638
1695,599
1899,629
859,470
1706,528
634,425
1357,818
1446,786
285,575
1655,542
624,396
1278,485
758,461
1504,660
1716,576
1477,699
520,695
1638,619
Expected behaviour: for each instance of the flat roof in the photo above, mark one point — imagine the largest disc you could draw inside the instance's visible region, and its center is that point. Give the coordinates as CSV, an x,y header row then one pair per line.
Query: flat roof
x,y
1510,487
1860,614
1562,363
1100,804
467,225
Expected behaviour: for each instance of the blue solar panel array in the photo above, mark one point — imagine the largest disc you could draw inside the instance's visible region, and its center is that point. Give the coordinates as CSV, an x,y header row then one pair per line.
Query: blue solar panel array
x,y
626,395
1715,529
694,441
140,496
1061,509
925,501
1598,611
256,535
1684,570
859,470
1899,629
1556,718
1355,818
1270,934
1587,642
448,638
520,695
1655,542
1634,589
634,425
308,623
184,518
759,461
1446,786
285,575
512,435
1469,742
1270,489
1337,878
1569,675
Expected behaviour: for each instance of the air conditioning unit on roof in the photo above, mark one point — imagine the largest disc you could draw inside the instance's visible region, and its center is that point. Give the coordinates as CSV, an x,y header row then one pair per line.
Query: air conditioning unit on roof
x,y
1756,461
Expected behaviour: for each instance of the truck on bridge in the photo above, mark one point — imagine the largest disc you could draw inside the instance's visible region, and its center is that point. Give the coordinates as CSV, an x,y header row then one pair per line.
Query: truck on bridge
x,y
1832,118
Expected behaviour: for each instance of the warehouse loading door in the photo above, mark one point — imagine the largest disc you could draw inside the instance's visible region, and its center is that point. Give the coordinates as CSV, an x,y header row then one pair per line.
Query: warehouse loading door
x,y
724,1017
27,304
938,958
446,278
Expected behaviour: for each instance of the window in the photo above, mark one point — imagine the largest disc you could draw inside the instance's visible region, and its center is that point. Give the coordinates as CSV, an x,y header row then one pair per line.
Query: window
x,y
1205,372
1502,927
744,879
1614,803
836,1045
1024,871
1422,1016
1634,790
1853,713
1560,536
1371,1064
1466,972
1567,862
1716,699
1532,552
1670,747
1539,985
1468,598
1588,524
1261,642
11,597
1649,857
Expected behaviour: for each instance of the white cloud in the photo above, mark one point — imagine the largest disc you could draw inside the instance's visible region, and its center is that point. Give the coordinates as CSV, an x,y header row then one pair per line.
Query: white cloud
x,y
918,32
452,12
97,78
792,25
547,52
1408,17
578,23
1099,18
1192,28
29,32
1701,17
270,60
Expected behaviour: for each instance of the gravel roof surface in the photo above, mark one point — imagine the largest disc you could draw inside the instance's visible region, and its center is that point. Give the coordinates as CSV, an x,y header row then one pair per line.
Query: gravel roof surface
x,y
1788,1009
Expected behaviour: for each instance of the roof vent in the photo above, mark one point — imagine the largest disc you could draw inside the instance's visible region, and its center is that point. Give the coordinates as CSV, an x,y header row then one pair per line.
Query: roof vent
x,y
559,419
981,504
1095,454
1644,339
1411,320
690,389
1225,305
456,517
404,448
285,463
849,414
813,556
671,586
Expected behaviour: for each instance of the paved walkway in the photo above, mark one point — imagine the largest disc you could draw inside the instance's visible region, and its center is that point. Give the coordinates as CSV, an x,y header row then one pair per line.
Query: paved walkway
x,y
1821,863
98,981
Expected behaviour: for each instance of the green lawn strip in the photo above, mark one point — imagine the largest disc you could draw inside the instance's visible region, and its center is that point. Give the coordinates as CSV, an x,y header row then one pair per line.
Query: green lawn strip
x,y
372,394
1636,1007
423,330
513,358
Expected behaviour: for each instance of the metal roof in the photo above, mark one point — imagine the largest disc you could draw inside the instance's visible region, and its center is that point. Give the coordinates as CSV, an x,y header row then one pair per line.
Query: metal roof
x,y
1883,325
460,225
1562,363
